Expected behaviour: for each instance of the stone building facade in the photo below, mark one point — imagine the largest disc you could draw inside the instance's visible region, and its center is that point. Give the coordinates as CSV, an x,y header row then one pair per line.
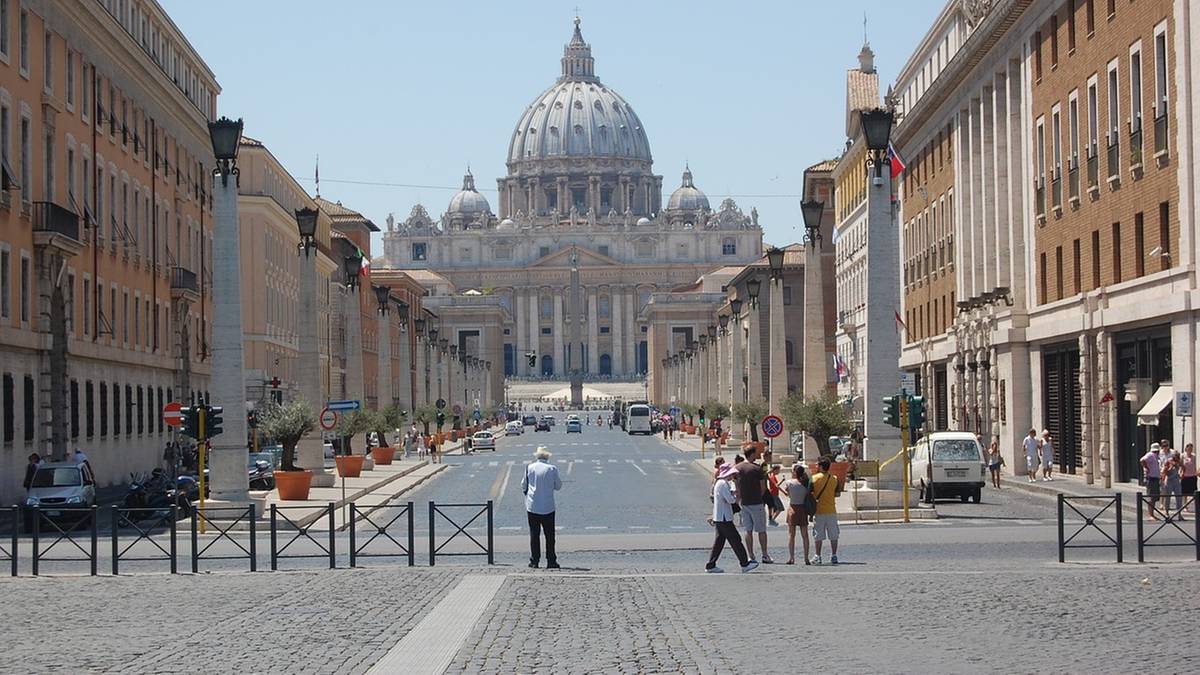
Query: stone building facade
x,y
580,186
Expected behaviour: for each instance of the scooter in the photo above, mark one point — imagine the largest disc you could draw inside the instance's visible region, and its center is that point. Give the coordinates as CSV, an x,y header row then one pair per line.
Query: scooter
x,y
261,476
149,497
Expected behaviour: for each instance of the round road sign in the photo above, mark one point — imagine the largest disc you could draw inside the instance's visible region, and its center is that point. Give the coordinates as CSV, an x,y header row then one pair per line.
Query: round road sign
x,y
329,419
457,409
173,413
772,426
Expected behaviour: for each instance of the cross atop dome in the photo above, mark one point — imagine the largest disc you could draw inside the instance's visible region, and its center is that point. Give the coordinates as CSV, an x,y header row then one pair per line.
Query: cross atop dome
x,y
577,62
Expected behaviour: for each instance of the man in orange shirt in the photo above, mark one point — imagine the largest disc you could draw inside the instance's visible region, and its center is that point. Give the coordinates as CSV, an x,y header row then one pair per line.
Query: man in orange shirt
x,y
825,521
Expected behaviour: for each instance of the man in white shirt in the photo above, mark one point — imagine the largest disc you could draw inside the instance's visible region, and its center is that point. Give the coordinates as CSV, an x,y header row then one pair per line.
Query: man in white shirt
x,y
540,483
1032,448
724,498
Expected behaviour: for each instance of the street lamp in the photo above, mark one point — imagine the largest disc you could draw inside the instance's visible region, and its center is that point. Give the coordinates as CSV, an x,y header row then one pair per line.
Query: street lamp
x,y
877,129
813,210
382,294
753,285
775,260
712,332
226,135
442,344
724,321
306,222
735,306
351,267
419,326
433,336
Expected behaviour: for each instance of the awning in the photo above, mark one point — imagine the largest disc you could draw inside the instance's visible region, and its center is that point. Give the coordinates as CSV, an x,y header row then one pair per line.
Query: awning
x,y
1163,396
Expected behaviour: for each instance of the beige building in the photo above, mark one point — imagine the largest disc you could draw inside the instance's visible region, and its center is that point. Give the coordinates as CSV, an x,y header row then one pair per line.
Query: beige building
x,y
105,232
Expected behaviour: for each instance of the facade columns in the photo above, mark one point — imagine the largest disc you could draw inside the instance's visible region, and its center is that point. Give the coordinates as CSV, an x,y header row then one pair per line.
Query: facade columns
x,y
310,451
618,342
737,392
559,354
383,390
593,334
753,346
406,372
535,333
520,328
352,313
721,373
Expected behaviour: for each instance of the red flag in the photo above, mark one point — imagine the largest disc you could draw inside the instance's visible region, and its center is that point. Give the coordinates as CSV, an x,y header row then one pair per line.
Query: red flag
x,y
900,326
897,163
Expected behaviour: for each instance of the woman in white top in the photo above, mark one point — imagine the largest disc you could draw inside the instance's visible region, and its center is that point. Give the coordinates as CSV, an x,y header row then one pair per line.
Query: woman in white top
x,y
1047,456
724,501
797,488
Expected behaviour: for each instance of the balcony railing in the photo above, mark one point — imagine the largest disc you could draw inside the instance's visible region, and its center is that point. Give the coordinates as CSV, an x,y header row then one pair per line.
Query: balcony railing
x,y
184,279
1039,196
1093,169
1056,191
1160,129
1114,157
50,217
1135,147
1073,179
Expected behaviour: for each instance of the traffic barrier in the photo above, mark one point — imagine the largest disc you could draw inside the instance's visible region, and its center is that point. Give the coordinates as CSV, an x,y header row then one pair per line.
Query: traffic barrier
x,y
10,553
435,549
74,517
237,514
301,533
1089,521
122,517
1171,518
382,531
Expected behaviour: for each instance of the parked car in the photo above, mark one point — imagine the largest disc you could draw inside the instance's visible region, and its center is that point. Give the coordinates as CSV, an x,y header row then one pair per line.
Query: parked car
x,y
948,463
483,440
59,489
574,425
514,428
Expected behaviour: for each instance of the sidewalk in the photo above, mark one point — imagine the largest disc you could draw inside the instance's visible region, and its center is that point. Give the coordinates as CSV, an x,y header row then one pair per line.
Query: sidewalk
x,y
1075,486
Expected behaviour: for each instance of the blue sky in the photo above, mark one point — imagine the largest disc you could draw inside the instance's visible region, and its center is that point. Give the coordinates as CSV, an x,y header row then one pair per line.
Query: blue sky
x,y
748,93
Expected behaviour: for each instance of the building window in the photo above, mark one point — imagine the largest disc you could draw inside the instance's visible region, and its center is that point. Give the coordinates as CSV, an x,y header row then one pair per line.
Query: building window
x,y
787,295
48,62
23,42
503,253
30,410
5,284
160,407
643,249
1164,234
1114,115
1070,26
1058,273
128,409
545,331
70,78
1116,252
1139,244
74,409
418,251
1045,281
140,411
605,330
25,290
1075,263
604,306
543,251
603,250
8,402
26,161
729,246
1054,41
4,28
1089,13
1037,56
788,352
116,409
89,413
103,408
1096,259
1135,89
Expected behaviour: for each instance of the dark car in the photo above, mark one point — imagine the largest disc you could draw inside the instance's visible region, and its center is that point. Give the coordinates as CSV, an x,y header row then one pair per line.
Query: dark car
x,y
542,425
529,420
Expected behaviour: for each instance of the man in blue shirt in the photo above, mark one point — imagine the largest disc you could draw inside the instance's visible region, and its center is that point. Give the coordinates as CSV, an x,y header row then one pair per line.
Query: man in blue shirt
x,y
540,483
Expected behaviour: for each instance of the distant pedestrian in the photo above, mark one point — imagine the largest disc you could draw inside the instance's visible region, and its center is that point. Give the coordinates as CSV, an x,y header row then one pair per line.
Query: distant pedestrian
x,y
467,444
1047,456
1032,454
539,484
724,503
1188,484
718,462
798,493
409,442
435,449
31,468
79,458
1151,473
752,491
995,462
774,503
825,521
1172,484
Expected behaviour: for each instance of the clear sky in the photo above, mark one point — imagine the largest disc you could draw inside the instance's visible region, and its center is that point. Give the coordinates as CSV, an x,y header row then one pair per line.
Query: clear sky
x,y
748,93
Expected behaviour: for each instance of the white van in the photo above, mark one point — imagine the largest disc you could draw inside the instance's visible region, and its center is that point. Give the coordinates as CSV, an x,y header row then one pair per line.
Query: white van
x,y
639,420
948,463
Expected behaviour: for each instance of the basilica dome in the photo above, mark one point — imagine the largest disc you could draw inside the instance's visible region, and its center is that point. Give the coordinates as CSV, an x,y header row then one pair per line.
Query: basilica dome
x,y
468,201
578,116
687,197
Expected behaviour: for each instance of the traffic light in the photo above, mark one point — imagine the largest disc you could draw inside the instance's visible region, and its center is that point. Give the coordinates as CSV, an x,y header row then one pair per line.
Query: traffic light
x,y
189,425
213,421
441,419
531,358
252,419
916,412
891,410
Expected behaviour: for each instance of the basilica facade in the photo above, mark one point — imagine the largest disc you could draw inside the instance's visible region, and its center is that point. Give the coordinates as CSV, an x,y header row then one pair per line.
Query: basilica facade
x,y
580,192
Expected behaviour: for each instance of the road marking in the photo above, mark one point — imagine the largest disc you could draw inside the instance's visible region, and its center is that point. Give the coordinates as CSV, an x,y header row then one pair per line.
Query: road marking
x,y
493,463
509,527
634,465
501,483
431,645
596,527
612,461
570,465
682,527
639,527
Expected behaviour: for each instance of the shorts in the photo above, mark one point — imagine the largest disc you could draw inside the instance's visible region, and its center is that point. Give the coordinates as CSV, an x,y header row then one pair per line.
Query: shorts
x,y
797,516
994,467
825,526
1152,488
1031,461
754,517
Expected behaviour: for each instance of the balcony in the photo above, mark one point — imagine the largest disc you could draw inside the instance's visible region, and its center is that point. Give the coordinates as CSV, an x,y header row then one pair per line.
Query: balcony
x,y
1114,158
1135,150
1093,170
56,227
184,284
1073,182
1160,131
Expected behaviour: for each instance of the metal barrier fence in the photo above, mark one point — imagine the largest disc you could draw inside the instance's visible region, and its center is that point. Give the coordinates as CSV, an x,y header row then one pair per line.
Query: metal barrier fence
x,y
74,517
435,549
1172,518
238,515
301,533
9,553
380,532
132,518
1089,523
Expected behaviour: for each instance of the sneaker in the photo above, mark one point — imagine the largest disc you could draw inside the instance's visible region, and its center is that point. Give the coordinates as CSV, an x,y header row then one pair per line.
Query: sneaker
x,y
714,570
767,560
772,523
816,560
750,566
552,566
533,565
833,560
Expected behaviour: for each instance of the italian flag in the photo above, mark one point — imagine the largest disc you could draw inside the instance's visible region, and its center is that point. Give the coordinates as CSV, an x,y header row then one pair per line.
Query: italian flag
x,y
364,271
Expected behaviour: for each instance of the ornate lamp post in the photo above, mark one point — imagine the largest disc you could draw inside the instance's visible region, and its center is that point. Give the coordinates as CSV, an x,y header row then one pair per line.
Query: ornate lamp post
x,y
383,376
777,365
737,382
310,452
753,358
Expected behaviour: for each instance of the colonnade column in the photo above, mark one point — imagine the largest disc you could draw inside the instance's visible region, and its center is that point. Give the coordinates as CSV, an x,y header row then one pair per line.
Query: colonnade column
x,y
559,356
535,334
593,334
617,330
520,328
383,391
737,390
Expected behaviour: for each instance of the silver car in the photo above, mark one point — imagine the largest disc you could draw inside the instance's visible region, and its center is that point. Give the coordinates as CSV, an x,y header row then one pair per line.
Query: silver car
x,y
59,487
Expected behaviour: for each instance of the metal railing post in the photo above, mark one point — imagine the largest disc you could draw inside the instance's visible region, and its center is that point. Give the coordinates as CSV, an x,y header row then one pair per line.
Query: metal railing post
x,y
332,525
195,541
1195,522
1141,556
37,533
353,543
253,539
16,525
116,553
1120,539
491,547
412,553
174,534
431,535
95,516
274,553
1062,550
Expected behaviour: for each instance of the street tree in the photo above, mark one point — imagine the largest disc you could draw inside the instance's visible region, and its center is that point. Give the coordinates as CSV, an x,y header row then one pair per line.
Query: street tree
x,y
287,424
820,415
357,423
425,414
750,412
715,410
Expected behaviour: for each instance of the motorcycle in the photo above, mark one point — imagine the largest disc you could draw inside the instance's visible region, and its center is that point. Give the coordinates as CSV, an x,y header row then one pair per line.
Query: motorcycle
x,y
152,497
261,475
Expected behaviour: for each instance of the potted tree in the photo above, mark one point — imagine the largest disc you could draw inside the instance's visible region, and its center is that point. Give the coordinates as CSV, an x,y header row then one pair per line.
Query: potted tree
x,y
425,414
751,413
385,423
287,424
687,411
716,410
820,416
350,465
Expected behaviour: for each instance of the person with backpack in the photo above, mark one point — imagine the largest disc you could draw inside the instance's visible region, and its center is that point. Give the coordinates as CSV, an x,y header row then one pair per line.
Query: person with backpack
x,y
800,506
825,520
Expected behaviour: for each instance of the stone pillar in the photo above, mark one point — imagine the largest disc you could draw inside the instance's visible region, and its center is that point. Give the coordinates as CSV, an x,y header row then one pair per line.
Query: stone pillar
x,y
777,361
737,391
406,373
227,456
352,315
559,355
593,334
383,391
721,366
753,346
817,376
615,294
310,452
1086,399
882,338
520,332
535,333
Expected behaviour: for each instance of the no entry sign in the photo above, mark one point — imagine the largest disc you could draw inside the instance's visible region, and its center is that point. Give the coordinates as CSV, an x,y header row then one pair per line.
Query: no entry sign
x,y
329,419
173,413
772,426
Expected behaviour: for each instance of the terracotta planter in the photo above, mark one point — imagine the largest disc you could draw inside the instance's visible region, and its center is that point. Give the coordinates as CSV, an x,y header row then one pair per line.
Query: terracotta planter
x,y
293,485
761,445
349,466
383,456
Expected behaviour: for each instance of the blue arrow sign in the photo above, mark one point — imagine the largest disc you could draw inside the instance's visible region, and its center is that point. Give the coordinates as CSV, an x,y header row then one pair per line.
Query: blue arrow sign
x,y
344,405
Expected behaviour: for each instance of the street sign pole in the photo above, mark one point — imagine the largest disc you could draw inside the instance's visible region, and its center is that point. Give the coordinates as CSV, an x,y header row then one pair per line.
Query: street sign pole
x,y
904,450
203,443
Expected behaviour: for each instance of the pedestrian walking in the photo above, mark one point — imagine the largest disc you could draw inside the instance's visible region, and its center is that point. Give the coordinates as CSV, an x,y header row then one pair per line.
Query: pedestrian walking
x,y
752,491
31,468
1188,484
1047,456
408,444
825,522
539,484
775,504
724,504
1032,449
79,458
1172,484
1151,473
799,495
995,461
